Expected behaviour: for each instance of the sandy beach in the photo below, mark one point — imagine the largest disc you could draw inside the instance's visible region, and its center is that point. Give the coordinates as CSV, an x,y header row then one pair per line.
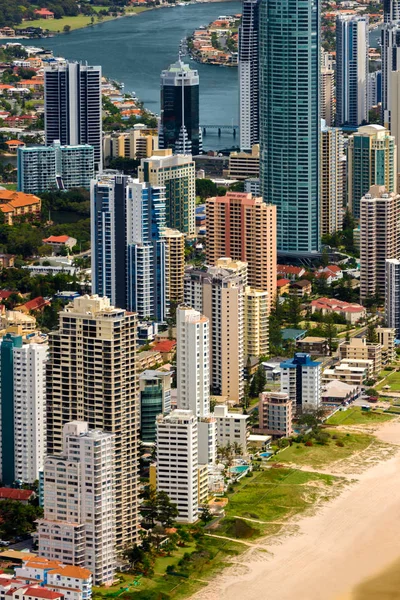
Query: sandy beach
x,y
354,537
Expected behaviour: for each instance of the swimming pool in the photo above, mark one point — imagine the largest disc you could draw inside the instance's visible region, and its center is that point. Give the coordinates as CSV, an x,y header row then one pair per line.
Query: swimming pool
x,y
266,454
240,469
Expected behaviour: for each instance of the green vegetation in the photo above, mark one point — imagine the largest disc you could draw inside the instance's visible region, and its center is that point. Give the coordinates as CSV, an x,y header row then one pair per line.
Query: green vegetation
x,y
337,446
393,380
58,25
17,518
355,416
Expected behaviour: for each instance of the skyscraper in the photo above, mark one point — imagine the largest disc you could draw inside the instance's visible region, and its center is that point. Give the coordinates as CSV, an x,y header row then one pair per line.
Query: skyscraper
x,y
301,380
392,294
289,128
218,293
91,376
249,75
72,94
78,527
177,174
180,127
333,169
193,376
391,11
371,160
129,255
352,69
244,228
175,241
379,238
23,408
390,51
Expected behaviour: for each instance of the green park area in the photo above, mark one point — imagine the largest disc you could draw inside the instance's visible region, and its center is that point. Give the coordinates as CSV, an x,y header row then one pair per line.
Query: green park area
x,y
356,416
393,380
78,21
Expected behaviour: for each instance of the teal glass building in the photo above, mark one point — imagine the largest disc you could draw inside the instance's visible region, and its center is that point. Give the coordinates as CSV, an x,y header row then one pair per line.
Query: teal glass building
x,y
290,121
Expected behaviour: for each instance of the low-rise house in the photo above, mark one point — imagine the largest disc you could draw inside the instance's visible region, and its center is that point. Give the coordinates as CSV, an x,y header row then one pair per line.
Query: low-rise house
x,y
347,373
351,312
300,288
60,241
36,304
13,145
290,272
7,261
74,583
147,360
167,349
338,392
44,13
17,204
23,496
316,346
283,286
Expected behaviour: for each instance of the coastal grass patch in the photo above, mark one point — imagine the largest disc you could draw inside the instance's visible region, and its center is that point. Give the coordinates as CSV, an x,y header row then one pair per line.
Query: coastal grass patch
x,y
341,445
272,496
192,568
356,416
393,379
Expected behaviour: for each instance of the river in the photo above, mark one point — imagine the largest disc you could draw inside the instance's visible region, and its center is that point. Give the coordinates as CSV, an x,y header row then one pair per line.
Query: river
x,y
134,50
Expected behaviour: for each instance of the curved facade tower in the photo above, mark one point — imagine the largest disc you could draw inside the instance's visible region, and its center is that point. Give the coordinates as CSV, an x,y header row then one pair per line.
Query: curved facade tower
x,y
290,120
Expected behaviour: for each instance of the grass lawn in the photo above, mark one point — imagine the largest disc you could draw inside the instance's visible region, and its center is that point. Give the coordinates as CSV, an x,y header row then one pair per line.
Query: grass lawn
x,y
393,380
318,456
272,495
355,416
9,186
57,25
211,557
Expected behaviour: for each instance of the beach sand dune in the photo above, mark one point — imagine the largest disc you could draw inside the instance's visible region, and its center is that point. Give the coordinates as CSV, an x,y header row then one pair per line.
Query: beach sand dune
x,y
353,538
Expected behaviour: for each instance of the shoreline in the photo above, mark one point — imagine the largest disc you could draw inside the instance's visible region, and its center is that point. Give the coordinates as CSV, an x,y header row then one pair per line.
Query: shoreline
x,y
339,547
108,20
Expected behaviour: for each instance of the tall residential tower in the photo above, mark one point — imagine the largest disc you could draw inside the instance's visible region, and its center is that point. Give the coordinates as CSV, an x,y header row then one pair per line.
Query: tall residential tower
x,y
249,75
289,120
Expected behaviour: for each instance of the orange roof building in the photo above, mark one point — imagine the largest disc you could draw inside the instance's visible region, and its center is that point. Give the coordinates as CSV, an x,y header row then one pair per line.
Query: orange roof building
x,y
16,204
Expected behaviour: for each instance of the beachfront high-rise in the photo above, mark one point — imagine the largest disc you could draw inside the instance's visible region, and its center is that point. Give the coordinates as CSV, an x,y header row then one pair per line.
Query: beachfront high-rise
x,y
379,238
55,167
177,175
180,126
72,101
249,75
78,527
218,293
23,408
301,380
129,254
91,376
392,294
177,462
371,160
290,125
244,228
333,169
175,241
155,399
352,69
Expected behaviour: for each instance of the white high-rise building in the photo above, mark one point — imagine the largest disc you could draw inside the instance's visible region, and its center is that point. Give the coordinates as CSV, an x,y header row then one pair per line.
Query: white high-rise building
x,y
79,502
23,408
177,462
301,380
352,69
193,376
391,11
248,75
392,295
390,48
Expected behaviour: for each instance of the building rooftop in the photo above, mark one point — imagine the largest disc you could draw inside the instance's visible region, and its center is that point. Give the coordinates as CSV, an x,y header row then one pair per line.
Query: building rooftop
x,y
14,494
72,571
43,593
56,239
300,358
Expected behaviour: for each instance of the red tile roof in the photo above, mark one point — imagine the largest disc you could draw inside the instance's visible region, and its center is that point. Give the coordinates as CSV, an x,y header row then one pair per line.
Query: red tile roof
x,y
56,239
164,346
43,593
4,294
13,494
282,282
35,304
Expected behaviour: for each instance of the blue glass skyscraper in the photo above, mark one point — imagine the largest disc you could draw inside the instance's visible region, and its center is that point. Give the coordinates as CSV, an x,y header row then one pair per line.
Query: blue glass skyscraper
x,y
290,120
129,254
